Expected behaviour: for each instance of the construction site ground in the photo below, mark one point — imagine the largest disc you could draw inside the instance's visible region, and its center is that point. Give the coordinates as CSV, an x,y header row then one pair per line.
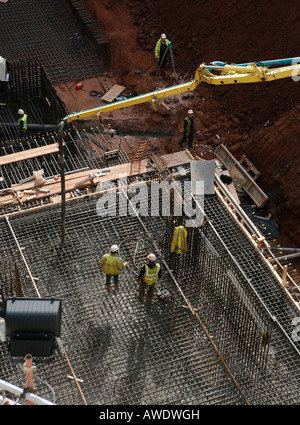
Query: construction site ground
x,y
260,120
137,354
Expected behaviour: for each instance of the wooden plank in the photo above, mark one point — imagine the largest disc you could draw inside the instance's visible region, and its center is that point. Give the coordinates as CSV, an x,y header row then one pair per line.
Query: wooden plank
x,y
71,180
113,93
77,176
250,186
249,167
30,153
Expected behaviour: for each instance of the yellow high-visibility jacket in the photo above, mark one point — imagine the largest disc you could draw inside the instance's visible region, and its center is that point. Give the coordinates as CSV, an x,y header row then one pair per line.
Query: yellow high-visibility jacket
x,y
157,47
151,275
111,264
187,125
24,119
179,240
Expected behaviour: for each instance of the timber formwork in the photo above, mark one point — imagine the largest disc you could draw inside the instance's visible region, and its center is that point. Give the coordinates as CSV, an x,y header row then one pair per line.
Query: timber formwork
x,y
49,31
225,337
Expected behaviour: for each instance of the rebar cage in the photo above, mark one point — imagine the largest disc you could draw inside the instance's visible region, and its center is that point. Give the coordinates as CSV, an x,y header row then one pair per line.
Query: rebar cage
x,y
214,343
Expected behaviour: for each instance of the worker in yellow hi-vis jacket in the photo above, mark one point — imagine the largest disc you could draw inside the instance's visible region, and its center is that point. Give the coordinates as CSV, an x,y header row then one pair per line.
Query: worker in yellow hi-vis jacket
x,y
148,275
179,240
161,51
112,264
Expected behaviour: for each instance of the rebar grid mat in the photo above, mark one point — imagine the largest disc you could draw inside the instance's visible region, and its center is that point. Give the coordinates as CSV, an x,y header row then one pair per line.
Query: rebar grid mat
x,y
131,353
82,151
250,263
55,38
125,352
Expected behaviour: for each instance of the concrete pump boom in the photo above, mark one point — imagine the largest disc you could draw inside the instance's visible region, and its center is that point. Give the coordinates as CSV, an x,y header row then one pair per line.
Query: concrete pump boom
x,y
255,72
226,74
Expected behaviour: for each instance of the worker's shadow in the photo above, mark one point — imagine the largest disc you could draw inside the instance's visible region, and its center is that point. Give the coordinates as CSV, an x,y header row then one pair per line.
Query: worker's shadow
x,y
136,360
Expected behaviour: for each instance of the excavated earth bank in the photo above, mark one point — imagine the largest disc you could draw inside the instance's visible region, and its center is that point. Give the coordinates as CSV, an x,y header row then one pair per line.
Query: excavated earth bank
x,y
260,120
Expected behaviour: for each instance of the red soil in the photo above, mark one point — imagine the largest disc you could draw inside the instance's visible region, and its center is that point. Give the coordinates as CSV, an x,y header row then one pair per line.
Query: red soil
x,y
259,120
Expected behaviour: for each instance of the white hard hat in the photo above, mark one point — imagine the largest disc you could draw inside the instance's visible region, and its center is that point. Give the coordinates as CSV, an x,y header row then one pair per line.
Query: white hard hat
x,y
163,35
190,111
20,112
114,248
151,257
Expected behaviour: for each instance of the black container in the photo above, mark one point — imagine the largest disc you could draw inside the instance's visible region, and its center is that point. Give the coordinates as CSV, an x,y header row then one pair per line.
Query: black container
x,y
33,316
32,324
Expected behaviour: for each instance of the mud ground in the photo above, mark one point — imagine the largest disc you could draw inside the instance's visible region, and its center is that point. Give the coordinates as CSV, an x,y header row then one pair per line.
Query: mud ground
x,y
259,120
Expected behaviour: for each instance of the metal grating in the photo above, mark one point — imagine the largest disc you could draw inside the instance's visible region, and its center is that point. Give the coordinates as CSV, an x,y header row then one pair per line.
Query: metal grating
x,y
126,353
47,30
131,353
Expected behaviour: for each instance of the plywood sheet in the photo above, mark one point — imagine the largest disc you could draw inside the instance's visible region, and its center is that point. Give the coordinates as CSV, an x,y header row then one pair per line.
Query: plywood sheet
x,y
113,93
231,188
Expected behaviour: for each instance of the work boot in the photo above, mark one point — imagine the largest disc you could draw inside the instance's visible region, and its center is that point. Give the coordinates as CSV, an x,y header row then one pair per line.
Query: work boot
x,y
108,288
116,287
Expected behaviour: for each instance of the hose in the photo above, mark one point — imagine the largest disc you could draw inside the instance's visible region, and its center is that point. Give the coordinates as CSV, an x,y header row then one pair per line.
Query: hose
x,y
138,239
10,192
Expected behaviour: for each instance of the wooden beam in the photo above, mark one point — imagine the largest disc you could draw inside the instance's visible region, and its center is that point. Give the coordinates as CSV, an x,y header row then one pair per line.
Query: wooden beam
x,y
29,153
250,186
72,180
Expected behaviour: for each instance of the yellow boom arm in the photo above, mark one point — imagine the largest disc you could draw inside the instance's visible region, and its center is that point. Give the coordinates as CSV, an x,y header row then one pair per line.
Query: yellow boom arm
x,y
226,74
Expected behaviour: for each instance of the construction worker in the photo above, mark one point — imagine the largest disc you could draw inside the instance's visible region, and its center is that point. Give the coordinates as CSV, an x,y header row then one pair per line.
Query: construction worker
x,y
148,275
161,51
111,265
188,131
179,240
22,123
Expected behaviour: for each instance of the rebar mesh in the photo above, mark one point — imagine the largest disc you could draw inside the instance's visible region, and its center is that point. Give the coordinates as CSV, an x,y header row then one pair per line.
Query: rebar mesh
x,y
48,31
125,352
131,353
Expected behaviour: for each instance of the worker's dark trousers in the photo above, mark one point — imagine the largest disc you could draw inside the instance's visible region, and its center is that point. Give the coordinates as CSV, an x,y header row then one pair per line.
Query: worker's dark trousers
x,y
108,278
143,285
190,138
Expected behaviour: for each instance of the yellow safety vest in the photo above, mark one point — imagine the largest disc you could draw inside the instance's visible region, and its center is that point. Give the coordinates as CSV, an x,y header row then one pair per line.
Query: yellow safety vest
x,y
188,126
24,118
157,47
151,275
179,240
111,264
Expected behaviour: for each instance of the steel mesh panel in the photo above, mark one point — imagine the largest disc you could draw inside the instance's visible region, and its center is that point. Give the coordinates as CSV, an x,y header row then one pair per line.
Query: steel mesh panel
x,y
126,352
47,31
